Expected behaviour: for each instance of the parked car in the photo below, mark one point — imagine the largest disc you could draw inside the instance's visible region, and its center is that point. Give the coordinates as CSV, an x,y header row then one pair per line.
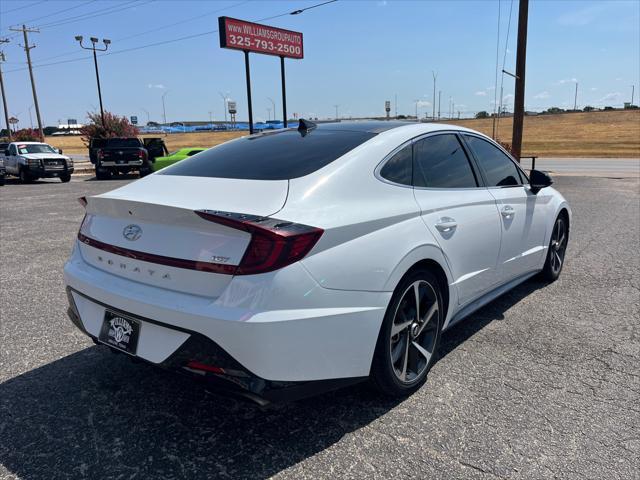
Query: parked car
x,y
289,262
162,162
3,171
32,160
113,156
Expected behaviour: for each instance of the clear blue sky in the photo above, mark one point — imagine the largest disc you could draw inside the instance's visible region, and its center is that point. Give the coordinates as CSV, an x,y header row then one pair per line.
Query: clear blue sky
x,y
357,55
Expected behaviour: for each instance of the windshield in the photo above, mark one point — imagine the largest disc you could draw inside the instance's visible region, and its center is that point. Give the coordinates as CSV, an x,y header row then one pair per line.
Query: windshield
x,y
272,156
36,148
123,143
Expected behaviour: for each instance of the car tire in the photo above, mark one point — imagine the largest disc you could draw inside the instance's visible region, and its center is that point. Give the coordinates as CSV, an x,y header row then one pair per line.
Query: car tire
x,y
65,177
102,174
2,181
24,176
144,171
406,349
557,249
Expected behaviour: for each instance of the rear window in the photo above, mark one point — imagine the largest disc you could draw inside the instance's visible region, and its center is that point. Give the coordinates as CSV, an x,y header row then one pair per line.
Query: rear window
x,y
123,143
272,156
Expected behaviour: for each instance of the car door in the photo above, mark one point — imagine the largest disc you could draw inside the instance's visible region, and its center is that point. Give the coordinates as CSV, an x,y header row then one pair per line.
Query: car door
x,y
458,211
12,160
522,213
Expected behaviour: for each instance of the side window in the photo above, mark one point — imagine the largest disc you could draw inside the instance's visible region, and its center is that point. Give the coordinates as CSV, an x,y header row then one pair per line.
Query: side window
x,y
440,162
12,150
498,168
399,168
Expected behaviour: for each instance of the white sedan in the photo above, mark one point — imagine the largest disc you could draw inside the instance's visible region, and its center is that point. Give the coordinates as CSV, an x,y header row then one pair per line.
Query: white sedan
x,y
300,260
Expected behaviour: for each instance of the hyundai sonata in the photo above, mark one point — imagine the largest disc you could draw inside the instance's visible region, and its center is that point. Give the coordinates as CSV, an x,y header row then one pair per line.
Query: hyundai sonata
x,y
300,260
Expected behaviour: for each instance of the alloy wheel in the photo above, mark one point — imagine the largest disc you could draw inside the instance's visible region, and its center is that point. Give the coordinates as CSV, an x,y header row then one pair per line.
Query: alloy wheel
x,y
558,245
414,331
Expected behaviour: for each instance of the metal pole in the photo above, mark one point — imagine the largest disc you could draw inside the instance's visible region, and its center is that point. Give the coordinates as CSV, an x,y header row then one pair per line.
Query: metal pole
x,y
521,60
246,66
284,94
95,63
164,111
439,98
633,90
4,99
575,98
433,114
27,49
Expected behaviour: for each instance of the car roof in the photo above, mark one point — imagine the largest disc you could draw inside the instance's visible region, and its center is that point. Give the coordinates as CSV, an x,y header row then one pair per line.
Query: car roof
x,y
370,126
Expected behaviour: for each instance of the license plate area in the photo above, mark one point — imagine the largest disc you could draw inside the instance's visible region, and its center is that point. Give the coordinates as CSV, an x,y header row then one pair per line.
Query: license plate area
x,y
120,331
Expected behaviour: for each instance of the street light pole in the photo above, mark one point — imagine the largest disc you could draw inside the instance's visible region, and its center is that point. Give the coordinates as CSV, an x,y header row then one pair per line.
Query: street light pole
x,y
93,47
224,106
336,106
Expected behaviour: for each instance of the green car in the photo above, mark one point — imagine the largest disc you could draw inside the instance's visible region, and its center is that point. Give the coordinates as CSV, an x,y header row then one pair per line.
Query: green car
x,y
174,157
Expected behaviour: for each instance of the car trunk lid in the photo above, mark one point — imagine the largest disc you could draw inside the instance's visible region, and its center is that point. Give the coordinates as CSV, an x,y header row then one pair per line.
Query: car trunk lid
x,y
148,231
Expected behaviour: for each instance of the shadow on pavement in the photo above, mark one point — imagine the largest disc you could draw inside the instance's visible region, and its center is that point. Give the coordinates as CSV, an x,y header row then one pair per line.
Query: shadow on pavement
x,y
97,415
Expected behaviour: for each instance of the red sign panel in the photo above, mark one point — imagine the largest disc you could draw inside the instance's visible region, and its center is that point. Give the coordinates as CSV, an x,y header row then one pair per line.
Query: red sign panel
x,y
253,37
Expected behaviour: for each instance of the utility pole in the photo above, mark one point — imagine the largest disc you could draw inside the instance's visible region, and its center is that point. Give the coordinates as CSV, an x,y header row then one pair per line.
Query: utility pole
x,y
439,98
164,111
4,96
336,107
521,61
575,98
395,105
633,90
417,120
433,113
210,117
94,41
27,49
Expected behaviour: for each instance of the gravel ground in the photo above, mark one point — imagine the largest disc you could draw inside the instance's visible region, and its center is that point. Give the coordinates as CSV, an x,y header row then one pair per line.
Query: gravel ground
x,y
542,383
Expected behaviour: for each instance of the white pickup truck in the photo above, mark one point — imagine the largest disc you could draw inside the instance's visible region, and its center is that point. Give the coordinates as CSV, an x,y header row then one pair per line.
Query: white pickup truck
x,y
32,160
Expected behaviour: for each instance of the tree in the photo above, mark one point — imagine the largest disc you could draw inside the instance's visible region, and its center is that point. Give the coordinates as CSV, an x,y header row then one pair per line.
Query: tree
x,y
588,108
555,110
114,126
26,135
482,114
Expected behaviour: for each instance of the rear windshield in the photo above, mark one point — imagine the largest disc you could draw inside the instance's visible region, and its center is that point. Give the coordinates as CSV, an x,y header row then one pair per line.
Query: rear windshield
x,y
123,143
272,156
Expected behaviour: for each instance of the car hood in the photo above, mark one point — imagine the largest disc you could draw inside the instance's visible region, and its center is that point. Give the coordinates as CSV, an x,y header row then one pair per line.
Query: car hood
x,y
40,156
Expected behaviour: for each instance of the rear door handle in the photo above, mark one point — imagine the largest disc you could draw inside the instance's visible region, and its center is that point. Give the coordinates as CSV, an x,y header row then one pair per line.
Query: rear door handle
x,y
507,211
446,224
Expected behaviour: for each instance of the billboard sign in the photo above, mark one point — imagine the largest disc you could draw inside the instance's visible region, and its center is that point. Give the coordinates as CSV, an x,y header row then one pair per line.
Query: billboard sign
x,y
387,106
134,120
72,121
253,37
232,107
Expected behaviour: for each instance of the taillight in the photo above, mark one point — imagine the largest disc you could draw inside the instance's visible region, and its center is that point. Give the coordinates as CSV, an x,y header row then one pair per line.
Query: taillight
x,y
142,154
100,154
274,243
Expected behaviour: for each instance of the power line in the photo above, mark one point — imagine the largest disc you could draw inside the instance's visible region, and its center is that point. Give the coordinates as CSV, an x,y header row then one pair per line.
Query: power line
x,y
495,91
58,12
97,13
24,6
169,25
162,42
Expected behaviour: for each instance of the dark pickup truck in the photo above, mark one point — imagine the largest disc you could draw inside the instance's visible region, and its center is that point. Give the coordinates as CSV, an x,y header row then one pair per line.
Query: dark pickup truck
x,y
123,155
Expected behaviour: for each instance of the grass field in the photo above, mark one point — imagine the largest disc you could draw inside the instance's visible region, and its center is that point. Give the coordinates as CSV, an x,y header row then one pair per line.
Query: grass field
x,y
593,134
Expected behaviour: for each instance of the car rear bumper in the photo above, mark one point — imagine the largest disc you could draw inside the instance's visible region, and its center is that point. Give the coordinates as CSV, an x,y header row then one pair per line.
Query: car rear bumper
x,y
323,335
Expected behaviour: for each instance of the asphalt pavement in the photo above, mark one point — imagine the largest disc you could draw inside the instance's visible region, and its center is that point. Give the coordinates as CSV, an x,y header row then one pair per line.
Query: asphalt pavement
x,y
542,383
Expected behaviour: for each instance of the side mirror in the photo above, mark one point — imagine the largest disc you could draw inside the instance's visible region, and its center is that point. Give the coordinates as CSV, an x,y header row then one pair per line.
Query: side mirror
x,y
60,151
539,180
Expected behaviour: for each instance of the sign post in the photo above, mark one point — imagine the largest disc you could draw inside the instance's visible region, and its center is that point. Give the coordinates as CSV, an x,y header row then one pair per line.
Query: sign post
x,y
387,107
254,37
